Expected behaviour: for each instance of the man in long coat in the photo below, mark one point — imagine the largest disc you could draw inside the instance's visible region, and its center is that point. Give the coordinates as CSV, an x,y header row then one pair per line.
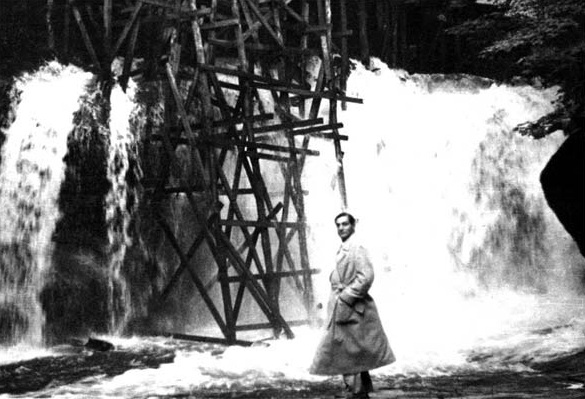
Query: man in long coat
x,y
354,341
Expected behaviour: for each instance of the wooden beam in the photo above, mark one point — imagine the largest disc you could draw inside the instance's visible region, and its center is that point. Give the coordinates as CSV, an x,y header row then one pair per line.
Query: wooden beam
x,y
129,57
200,338
262,224
308,93
259,326
127,28
194,277
107,12
257,47
257,292
234,279
85,36
181,268
185,121
250,76
220,24
264,22
363,32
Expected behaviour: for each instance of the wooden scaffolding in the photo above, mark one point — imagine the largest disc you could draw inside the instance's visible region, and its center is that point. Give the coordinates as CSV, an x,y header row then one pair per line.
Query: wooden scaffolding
x,y
268,44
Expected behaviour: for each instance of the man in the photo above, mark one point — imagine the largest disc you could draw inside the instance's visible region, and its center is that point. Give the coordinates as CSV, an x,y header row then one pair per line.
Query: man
x,y
354,341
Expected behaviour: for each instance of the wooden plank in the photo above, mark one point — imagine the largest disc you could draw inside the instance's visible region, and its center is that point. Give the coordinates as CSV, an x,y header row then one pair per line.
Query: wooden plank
x,y
253,26
240,39
329,136
236,209
85,36
342,34
181,268
250,76
234,121
162,4
200,338
265,23
317,129
255,236
262,223
222,141
323,94
234,279
194,277
127,28
263,146
129,56
49,23
257,292
290,11
363,32
220,24
344,51
287,125
298,200
207,117
185,121
260,326
107,12
325,41
267,157
263,47
66,29
302,92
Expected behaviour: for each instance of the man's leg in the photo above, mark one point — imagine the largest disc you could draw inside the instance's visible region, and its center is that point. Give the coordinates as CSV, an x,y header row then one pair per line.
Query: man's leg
x,y
366,382
358,385
349,380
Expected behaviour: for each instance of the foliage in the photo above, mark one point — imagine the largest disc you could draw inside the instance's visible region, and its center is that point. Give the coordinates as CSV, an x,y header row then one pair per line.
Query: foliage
x,y
530,39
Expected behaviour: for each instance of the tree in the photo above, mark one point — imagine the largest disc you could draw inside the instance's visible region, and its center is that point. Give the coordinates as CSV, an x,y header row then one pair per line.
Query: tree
x,y
539,41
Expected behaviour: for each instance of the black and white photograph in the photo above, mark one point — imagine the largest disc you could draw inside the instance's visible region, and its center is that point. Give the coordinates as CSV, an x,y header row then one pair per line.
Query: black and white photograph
x,y
292,199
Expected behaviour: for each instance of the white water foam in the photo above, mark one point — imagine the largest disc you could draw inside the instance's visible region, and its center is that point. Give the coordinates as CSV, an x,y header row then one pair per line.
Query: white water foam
x,y
121,149
31,174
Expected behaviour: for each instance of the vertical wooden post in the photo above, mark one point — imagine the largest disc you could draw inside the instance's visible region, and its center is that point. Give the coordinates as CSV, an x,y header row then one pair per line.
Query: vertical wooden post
x,y
108,29
66,30
85,36
394,52
325,41
402,35
344,51
303,64
363,29
49,22
207,116
129,55
239,38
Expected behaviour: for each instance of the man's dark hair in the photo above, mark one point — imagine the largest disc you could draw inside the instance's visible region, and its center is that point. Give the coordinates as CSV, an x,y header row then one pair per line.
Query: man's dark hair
x,y
349,217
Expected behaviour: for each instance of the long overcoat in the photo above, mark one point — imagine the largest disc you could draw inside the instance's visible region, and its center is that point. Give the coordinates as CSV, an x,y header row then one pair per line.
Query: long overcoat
x,y
355,340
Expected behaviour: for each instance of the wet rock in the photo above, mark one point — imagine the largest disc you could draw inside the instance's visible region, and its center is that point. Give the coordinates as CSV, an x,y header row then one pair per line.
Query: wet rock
x,y
36,374
98,345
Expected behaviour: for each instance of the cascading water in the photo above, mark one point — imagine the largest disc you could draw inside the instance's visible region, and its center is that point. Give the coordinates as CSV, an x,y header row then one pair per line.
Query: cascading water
x,y
31,174
449,202
120,201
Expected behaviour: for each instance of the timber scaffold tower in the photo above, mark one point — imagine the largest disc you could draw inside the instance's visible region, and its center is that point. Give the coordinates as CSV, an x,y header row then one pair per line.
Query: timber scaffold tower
x,y
183,45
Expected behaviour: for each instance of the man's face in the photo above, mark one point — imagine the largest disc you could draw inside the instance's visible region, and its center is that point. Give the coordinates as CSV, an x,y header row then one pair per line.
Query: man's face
x,y
344,227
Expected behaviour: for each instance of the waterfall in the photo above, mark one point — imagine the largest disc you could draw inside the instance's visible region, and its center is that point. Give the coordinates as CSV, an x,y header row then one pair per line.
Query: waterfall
x,y
448,200
473,271
31,174
120,201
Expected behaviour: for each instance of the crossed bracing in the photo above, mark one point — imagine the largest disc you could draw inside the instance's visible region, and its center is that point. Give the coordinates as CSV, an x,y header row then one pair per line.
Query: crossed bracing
x,y
253,49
